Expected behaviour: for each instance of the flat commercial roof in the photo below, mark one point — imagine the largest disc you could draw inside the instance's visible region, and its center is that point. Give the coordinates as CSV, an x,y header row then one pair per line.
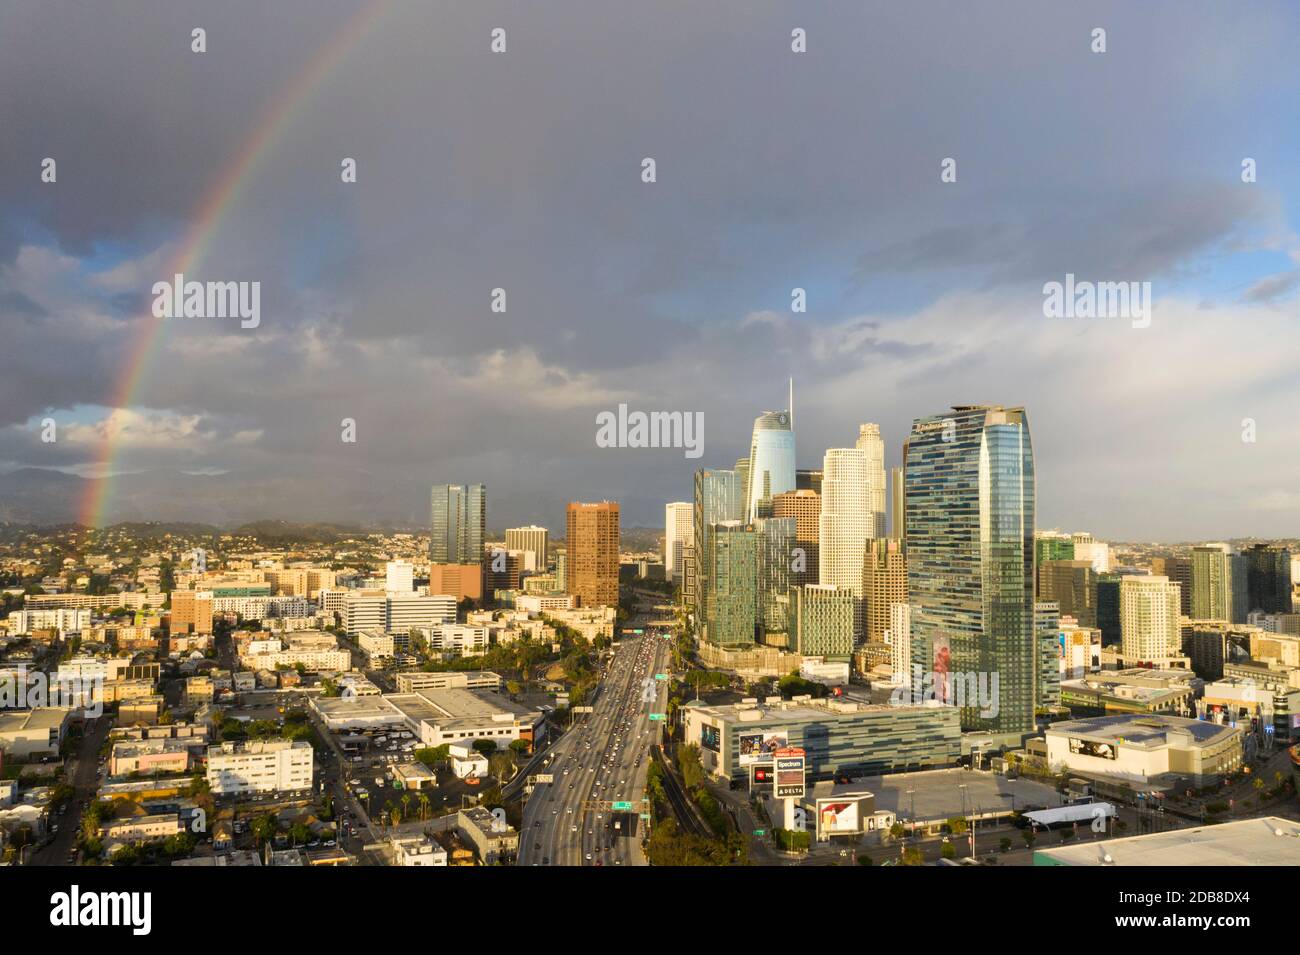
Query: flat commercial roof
x,y
1142,729
41,718
1243,842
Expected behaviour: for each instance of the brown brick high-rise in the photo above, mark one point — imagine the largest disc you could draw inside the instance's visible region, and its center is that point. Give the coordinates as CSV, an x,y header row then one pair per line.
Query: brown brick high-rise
x,y
591,543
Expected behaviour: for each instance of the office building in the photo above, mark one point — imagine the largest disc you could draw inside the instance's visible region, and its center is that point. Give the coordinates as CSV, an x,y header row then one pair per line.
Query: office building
x,y
191,611
845,525
1047,623
679,518
458,523
533,541
1073,585
873,446
1212,582
717,500
258,767
776,543
970,555
1179,570
399,577
1108,621
591,543
808,479
884,584
461,581
1052,545
805,506
1095,551
1150,619
771,463
1268,579
899,638
896,506
405,612
731,603
837,735
364,610
822,622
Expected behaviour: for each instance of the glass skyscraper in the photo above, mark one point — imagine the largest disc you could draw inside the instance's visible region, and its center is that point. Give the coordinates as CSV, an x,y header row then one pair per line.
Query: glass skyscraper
x,y
458,522
771,462
969,513
731,602
717,499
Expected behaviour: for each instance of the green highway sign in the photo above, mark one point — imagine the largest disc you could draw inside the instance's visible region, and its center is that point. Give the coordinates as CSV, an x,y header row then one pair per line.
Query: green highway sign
x,y
661,676
623,807
645,816
656,717
760,832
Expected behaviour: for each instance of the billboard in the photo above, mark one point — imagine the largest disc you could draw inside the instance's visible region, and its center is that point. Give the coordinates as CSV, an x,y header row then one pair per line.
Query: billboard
x,y
1087,747
838,817
759,747
760,778
789,766
710,738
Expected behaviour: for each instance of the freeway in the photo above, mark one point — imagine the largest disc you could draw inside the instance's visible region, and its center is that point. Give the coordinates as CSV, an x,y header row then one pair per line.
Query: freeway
x,y
604,758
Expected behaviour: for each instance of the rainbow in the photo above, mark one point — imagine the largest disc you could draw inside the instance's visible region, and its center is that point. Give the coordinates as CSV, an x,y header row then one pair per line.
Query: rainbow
x,y
204,224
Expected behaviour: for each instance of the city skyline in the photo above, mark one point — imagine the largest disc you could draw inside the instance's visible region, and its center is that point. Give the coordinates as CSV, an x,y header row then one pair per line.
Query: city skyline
x,y
916,293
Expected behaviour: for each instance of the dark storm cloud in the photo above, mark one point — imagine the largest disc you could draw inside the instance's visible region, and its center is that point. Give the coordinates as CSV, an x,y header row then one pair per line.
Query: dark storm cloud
x,y
521,171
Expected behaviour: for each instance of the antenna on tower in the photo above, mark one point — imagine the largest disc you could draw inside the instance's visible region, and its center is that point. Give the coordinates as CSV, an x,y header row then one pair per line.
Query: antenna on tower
x,y
792,403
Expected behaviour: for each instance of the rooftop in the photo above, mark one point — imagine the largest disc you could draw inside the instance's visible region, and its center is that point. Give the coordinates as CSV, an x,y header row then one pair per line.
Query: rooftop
x,y
1144,730
1267,841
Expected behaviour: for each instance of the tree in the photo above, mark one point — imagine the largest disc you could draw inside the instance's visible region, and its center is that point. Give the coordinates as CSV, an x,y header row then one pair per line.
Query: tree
x,y
485,746
519,746
948,851
957,826
263,829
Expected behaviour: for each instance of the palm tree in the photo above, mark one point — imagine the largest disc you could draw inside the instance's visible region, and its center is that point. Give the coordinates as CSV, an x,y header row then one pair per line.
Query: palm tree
x,y
406,803
424,805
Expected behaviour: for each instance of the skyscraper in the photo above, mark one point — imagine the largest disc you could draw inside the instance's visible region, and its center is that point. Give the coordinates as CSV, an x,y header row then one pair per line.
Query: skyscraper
x,y
1179,570
970,556
717,499
822,622
1072,585
1149,619
1212,582
873,446
845,526
896,503
678,534
459,514
771,461
591,543
731,601
1098,552
1047,624
805,506
884,583
776,540
1268,576
532,541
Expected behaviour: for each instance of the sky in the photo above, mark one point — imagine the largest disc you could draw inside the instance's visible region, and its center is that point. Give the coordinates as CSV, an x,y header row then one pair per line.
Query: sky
x,y
774,170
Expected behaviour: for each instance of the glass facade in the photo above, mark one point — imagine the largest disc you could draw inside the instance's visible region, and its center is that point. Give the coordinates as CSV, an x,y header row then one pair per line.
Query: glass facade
x,y
731,602
457,522
776,541
969,513
771,462
717,499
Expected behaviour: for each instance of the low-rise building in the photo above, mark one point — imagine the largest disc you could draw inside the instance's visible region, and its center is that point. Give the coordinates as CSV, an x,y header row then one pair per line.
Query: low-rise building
x,y
260,766
1143,748
418,851
489,833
